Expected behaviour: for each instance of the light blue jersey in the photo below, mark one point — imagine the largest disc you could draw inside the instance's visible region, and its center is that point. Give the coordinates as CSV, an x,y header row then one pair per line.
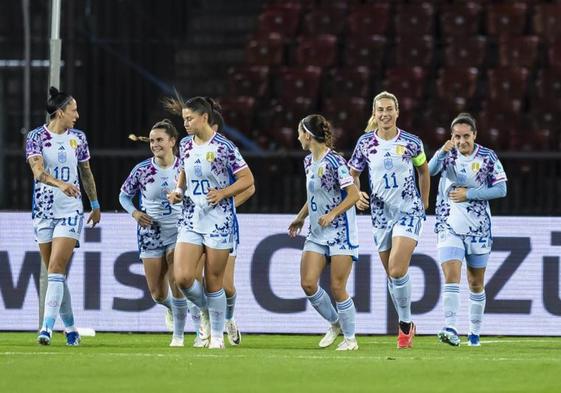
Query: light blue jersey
x,y
326,180
61,154
394,193
480,169
153,183
211,165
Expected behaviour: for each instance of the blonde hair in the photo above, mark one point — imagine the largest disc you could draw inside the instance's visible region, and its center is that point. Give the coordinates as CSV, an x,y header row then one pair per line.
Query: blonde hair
x,y
372,124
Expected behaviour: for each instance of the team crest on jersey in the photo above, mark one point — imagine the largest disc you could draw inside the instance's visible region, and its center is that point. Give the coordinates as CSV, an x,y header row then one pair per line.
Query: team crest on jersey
x,y
210,156
61,155
475,166
388,163
400,150
321,171
73,143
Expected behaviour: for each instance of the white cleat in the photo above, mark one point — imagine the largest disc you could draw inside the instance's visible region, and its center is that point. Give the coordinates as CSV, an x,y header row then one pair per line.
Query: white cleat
x,y
234,335
348,344
200,342
176,342
216,343
204,329
330,336
169,320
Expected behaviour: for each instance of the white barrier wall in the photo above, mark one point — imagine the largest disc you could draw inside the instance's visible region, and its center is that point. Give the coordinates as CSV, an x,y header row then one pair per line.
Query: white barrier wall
x,y
109,291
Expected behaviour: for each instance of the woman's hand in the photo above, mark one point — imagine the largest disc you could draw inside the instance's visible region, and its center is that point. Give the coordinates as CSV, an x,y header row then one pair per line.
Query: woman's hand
x,y
295,227
363,202
143,219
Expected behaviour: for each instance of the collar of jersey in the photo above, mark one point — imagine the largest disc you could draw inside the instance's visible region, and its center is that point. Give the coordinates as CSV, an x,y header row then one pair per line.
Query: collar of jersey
x,y
472,155
206,143
322,157
164,169
54,134
381,140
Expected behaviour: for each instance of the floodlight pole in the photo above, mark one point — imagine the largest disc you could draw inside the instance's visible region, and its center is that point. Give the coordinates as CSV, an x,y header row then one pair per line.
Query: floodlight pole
x,y
55,47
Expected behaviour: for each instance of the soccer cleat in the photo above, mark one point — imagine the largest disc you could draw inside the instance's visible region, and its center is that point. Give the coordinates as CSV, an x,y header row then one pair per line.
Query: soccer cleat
x,y
199,342
204,329
72,339
348,344
176,342
44,337
169,320
473,340
449,336
405,341
234,335
330,336
216,343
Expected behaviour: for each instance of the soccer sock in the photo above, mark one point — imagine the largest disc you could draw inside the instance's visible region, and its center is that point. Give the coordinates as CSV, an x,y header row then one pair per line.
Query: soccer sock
x,y
402,293
217,312
451,299
196,294
166,302
390,290
195,315
476,309
230,304
66,313
347,315
179,310
322,303
53,298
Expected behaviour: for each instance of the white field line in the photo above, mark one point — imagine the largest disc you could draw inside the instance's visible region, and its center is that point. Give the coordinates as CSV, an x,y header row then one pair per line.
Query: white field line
x,y
327,356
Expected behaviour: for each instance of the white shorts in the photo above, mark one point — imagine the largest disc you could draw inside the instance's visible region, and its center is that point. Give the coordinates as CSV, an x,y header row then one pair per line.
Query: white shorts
x,y
475,250
46,229
407,226
211,241
157,240
330,251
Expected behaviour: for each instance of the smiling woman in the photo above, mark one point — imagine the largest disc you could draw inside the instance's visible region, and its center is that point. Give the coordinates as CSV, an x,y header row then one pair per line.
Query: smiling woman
x,y
56,152
152,180
470,176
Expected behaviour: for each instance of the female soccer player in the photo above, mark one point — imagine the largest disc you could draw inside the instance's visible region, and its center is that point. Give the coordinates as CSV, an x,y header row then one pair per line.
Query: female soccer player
x,y
157,220
56,152
398,209
333,234
215,172
232,330
470,176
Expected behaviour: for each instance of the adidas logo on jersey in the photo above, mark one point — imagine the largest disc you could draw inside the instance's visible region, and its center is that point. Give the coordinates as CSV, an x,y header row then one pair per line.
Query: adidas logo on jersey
x,y
165,184
387,154
198,161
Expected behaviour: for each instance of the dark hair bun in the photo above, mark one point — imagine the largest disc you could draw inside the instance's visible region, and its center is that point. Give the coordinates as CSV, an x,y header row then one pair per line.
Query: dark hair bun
x,y
53,91
215,106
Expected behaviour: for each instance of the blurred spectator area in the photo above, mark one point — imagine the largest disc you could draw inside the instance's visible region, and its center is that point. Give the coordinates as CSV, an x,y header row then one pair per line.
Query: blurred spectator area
x,y
499,60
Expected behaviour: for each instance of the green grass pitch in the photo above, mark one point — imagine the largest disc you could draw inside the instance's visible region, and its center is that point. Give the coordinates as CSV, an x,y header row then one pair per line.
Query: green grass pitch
x,y
271,363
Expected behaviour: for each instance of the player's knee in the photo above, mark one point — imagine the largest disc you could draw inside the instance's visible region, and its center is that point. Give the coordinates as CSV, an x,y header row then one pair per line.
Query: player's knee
x,y
397,271
229,289
338,290
184,280
309,287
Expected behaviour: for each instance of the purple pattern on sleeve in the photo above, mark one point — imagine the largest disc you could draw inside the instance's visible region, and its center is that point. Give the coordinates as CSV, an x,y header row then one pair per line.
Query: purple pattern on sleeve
x,y
366,145
36,139
82,151
139,177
